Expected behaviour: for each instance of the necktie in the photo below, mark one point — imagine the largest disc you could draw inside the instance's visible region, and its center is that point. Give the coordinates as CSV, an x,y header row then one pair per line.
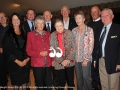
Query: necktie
x,y
32,28
48,27
101,41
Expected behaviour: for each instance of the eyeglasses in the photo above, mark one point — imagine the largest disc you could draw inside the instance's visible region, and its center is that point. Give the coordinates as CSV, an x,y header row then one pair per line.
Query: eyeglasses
x,y
2,17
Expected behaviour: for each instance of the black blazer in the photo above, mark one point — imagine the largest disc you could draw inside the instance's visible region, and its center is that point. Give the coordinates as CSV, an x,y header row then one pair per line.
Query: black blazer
x,y
26,27
72,23
52,27
112,48
11,52
0,42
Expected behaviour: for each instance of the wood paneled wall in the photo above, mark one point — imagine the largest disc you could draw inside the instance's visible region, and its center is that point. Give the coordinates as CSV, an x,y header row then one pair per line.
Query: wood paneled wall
x,y
86,9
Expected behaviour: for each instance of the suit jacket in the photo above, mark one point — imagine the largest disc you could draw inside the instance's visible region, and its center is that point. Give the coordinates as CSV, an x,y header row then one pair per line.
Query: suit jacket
x,y
0,42
112,48
11,52
26,27
52,27
72,23
69,48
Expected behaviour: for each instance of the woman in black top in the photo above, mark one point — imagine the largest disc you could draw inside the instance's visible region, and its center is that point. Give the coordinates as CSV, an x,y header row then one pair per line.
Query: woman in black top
x,y
14,44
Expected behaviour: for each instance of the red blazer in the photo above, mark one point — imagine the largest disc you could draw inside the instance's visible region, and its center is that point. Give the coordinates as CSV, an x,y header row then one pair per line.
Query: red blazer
x,y
35,45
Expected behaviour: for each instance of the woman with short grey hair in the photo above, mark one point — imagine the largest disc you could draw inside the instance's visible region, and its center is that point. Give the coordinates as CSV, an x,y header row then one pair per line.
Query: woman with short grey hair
x,y
39,17
84,41
37,48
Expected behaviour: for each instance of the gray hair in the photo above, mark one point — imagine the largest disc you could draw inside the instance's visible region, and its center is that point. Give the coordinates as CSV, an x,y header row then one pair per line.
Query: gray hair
x,y
58,20
39,17
108,9
79,13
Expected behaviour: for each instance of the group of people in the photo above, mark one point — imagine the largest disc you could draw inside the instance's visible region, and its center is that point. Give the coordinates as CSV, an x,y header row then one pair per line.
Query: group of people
x,y
92,50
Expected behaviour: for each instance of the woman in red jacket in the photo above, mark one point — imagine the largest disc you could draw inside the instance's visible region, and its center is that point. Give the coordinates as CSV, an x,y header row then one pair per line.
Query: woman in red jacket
x,y
37,48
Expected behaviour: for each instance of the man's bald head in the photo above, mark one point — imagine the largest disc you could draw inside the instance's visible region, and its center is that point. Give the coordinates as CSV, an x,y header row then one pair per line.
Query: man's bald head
x,y
95,12
47,15
65,11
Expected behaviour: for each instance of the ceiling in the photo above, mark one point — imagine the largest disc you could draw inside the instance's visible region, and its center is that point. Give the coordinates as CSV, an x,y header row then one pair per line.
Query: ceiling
x,y
8,6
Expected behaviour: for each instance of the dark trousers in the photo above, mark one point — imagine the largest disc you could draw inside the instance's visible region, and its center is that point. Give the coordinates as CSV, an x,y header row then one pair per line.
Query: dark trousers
x,y
54,75
43,78
95,77
65,75
3,73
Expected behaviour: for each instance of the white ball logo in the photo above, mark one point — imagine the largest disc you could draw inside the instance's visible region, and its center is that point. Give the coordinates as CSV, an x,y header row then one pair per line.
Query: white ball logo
x,y
54,53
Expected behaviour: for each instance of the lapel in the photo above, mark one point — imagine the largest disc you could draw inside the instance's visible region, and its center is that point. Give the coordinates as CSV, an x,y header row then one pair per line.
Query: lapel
x,y
52,27
70,23
110,33
27,28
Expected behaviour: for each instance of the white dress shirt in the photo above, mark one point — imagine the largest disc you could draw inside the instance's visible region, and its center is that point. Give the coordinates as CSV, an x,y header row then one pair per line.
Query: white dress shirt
x,y
66,24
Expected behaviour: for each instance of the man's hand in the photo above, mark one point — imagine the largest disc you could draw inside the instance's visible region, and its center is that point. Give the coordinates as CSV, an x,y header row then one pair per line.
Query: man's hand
x,y
117,67
1,50
94,64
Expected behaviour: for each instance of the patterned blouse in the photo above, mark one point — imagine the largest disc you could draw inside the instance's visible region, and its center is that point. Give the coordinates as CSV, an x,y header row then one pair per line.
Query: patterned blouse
x,y
84,42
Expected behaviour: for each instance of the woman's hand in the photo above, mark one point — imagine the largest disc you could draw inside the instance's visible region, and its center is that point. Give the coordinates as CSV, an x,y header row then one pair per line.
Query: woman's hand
x,y
44,53
65,62
84,63
26,61
53,63
20,63
1,50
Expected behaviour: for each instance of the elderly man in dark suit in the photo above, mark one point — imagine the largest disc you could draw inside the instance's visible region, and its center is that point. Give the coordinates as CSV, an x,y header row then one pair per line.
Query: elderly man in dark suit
x,y
69,23
108,51
49,24
95,23
29,23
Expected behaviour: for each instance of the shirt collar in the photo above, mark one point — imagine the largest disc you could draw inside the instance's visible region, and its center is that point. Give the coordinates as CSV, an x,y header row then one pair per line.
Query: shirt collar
x,y
60,33
97,19
108,26
48,22
67,21
37,33
30,21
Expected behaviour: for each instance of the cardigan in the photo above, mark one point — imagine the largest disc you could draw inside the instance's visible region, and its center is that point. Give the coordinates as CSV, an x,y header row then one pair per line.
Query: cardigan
x,y
69,48
35,45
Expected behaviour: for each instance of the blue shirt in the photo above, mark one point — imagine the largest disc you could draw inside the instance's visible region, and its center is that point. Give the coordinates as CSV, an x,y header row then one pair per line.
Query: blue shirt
x,y
104,41
30,24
